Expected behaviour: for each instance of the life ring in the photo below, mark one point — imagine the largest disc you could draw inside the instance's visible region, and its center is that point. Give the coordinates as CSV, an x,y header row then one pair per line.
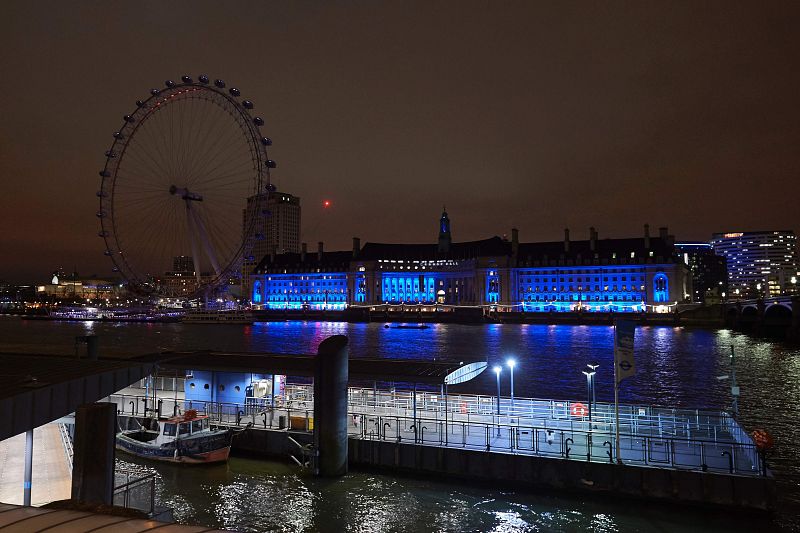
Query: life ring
x,y
463,408
763,440
578,409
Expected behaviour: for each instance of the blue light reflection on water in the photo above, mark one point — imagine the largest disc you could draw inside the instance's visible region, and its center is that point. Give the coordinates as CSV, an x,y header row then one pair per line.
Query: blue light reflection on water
x,y
676,366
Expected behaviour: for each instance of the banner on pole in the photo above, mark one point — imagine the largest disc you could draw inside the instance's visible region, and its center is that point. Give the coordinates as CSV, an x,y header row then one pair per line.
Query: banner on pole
x,y
624,364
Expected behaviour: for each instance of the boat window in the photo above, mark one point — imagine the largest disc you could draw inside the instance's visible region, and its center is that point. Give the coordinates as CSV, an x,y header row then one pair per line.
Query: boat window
x,y
183,429
197,425
169,430
205,423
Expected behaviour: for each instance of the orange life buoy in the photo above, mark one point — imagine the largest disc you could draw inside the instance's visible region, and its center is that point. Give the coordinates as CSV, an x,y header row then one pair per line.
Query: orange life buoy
x,y
463,408
578,409
763,440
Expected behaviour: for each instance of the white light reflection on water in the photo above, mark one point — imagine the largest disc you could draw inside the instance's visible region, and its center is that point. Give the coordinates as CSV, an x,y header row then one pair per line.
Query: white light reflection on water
x,y
674,367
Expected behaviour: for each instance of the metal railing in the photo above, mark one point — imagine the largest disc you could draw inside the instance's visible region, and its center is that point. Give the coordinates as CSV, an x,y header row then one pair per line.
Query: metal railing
x,y
568,443
133,490
66,441
654,439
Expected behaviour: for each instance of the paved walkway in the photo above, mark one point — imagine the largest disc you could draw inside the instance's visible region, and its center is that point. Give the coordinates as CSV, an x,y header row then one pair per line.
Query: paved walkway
x,y
52,479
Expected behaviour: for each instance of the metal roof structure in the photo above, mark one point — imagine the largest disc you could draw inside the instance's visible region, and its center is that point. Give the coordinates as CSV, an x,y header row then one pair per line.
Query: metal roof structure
x,y
37,389
412,371
16,518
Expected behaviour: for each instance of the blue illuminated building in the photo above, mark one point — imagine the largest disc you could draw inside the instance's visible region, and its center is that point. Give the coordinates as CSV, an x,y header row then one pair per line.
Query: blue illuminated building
x,y
619,275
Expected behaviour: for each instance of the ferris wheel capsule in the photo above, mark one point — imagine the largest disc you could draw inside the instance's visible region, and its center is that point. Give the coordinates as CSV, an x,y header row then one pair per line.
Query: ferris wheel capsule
x,y
202,78
220,83
235,92
258,121
186,79
170,84
247,104
266,141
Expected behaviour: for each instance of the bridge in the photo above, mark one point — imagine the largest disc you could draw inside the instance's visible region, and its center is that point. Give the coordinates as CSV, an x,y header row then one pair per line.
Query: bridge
x,y
777,316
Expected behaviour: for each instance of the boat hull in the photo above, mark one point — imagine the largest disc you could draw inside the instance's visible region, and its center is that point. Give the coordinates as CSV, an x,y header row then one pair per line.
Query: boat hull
x,y
213,448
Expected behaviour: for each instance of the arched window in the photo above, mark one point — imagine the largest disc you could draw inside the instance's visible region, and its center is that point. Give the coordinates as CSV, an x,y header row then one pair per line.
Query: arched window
x,y
257,292
660,287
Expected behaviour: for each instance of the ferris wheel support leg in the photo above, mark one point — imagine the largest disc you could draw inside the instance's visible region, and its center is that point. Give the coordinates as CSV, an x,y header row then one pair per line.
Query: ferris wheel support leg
x,y
193,241
201,231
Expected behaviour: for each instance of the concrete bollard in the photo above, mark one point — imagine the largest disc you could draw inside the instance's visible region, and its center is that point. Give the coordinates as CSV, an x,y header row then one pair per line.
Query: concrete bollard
x,y
93,459
330,406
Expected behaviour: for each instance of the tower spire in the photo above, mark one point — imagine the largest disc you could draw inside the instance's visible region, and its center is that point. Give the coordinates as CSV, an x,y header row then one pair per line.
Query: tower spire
x,y
445,237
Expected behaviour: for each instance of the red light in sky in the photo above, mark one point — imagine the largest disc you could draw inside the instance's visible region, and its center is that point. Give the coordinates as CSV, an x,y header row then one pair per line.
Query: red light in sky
x,y
326,203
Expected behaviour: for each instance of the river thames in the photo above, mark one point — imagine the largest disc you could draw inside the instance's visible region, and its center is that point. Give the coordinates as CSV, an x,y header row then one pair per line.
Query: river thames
x,y
675,367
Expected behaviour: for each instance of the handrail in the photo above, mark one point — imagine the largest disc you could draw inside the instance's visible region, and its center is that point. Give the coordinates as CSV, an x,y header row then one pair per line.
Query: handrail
x,y
66,441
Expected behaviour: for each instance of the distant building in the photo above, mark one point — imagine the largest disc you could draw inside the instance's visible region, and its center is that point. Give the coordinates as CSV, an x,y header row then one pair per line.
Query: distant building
x,y
73,287
183,263
760,263
709,271
273,220
621,275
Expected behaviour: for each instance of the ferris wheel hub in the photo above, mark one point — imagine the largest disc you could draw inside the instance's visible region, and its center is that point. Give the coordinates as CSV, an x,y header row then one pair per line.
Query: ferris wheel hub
x,y
185,194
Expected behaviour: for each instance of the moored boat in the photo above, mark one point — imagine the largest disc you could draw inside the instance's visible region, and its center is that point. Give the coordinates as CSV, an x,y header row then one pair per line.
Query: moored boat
x,y
213,316
180,439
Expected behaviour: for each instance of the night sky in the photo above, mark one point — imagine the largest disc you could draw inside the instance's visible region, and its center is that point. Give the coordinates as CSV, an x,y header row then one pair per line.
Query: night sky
x,y
535,115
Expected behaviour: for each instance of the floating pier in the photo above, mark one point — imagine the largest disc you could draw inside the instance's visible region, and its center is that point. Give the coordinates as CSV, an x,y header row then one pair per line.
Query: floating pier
x,y
680,455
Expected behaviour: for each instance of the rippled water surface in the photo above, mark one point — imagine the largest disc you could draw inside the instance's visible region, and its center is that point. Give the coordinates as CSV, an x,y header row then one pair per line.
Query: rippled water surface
x,y
676,367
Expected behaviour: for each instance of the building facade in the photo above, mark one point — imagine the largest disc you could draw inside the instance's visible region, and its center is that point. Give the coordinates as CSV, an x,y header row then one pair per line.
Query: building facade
x,y
709,271
760,263
620,275
273,220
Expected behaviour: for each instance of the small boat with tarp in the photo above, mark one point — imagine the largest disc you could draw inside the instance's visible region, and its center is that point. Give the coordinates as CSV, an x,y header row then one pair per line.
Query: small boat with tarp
x,y
188,438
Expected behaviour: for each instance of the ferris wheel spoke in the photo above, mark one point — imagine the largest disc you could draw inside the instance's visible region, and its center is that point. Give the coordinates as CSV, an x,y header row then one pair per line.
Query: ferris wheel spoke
x,y
150,157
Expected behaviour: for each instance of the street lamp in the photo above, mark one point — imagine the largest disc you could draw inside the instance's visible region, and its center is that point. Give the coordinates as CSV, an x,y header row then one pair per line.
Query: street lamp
x,y
590,387
511,363
497,370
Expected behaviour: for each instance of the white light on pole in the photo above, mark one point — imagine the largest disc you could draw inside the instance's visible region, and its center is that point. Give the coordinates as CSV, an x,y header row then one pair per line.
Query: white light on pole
x,y
511,364
497,370
590,387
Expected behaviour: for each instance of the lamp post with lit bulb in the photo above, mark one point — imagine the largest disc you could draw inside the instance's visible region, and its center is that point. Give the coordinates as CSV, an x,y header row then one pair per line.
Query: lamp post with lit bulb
x,y
511,364
497,370
590,388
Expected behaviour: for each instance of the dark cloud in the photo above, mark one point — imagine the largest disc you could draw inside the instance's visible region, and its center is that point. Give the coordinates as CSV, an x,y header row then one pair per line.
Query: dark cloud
x,y
538,115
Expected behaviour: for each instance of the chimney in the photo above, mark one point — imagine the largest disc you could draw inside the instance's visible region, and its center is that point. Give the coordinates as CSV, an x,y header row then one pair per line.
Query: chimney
x,y
647,236
319,251
566,240
592,239
303,251
356,246
662,233
514,244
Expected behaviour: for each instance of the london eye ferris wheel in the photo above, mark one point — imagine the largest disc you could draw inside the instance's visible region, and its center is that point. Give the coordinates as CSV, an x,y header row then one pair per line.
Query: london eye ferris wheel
x,y
175,185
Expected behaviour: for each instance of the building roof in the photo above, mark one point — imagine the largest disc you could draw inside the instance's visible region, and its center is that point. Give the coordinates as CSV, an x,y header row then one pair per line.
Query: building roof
x,y
338,261
604,248
493,246
612,250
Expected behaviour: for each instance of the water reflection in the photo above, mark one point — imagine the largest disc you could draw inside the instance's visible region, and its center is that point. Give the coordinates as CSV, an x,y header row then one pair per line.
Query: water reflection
x,y
675,367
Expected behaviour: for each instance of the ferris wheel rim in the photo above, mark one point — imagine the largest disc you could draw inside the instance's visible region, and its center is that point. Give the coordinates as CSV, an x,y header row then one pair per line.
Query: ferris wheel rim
x,y
257,145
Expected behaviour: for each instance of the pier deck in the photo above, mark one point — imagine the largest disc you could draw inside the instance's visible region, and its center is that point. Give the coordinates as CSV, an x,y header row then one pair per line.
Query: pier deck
x,y
698,440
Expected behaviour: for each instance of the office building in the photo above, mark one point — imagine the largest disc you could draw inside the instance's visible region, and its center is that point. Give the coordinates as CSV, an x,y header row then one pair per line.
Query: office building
x,y
709,271
273,222
760,263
